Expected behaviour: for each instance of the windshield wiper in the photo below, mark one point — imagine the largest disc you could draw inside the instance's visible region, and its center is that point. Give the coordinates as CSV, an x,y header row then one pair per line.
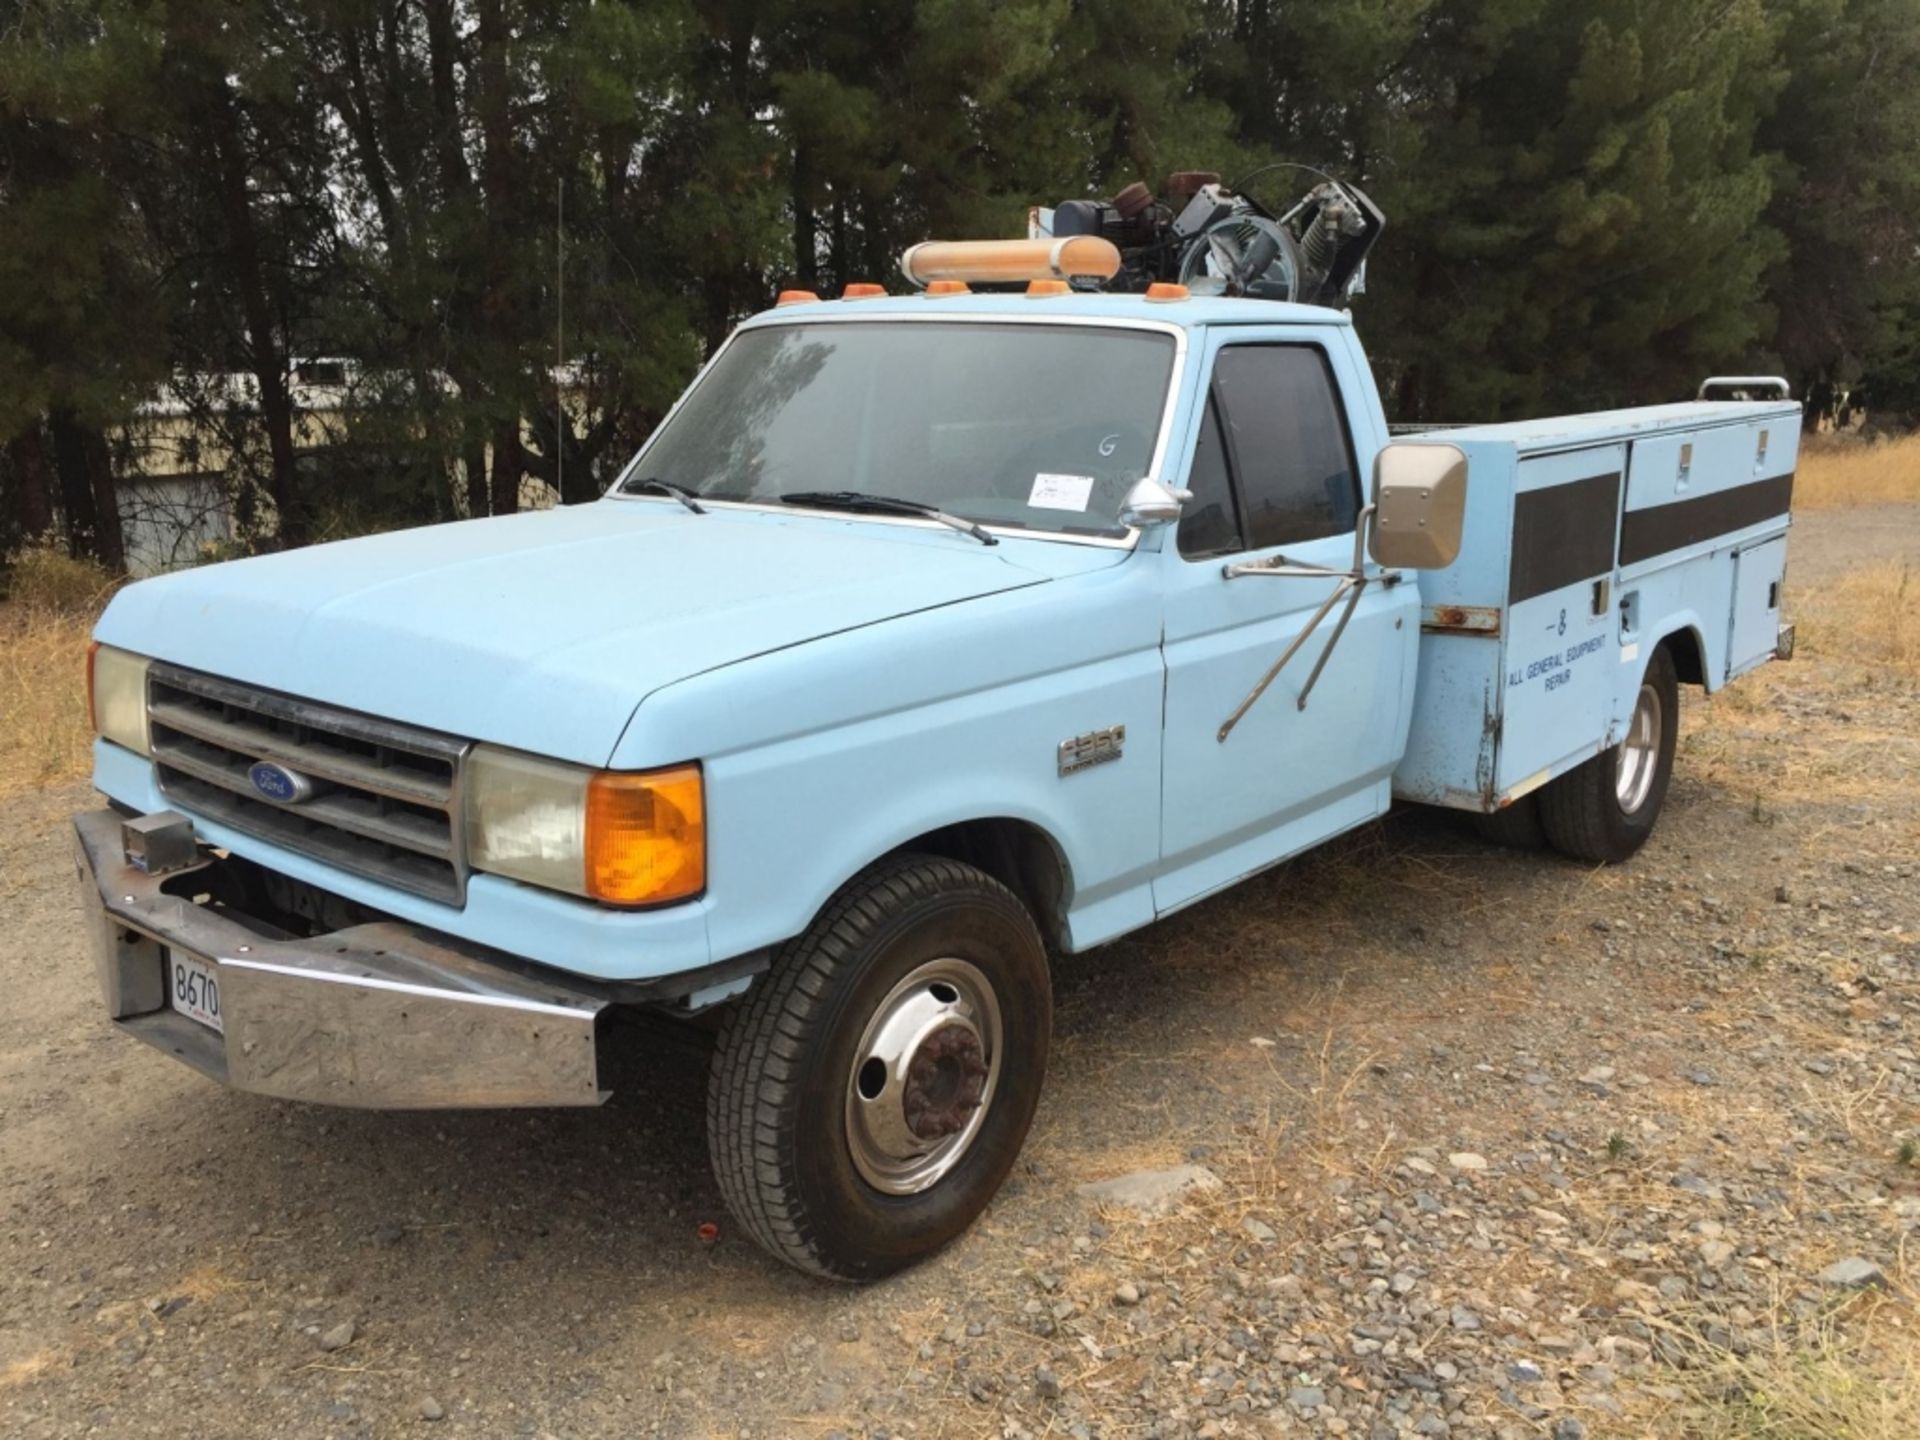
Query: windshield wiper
x,y
884,505
648,485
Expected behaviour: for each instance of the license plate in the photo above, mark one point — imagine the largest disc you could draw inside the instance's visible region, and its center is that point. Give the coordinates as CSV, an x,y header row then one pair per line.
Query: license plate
x,y
193,988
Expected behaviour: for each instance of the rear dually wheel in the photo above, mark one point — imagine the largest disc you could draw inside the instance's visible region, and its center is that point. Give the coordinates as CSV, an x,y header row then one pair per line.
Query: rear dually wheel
x,y
1604,809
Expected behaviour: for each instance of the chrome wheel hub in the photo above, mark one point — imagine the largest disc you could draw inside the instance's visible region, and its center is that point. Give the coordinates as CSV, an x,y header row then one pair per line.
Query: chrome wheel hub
x,y
923,1076
1639,754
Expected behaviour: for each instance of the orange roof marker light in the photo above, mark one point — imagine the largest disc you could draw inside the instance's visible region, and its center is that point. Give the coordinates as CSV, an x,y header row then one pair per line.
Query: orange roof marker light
x,y
1166,290
948,287
1039,289
863,290
795,297
1007,262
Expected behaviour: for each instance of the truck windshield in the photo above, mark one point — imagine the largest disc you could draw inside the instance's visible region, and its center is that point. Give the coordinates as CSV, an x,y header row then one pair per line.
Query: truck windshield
x,y
1039,427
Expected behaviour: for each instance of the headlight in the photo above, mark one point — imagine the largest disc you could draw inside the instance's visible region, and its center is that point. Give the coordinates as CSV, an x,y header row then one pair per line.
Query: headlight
x,y
117,696
625,838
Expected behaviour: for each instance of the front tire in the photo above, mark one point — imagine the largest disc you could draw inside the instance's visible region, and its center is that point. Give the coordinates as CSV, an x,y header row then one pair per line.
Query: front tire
x,y
871,1093
1604,810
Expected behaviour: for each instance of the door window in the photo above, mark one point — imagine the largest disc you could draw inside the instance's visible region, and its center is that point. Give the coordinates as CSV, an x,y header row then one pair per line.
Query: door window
x,y
1275,424
1210,522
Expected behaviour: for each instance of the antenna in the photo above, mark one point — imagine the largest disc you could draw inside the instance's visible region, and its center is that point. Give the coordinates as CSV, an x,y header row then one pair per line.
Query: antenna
x,y
560,340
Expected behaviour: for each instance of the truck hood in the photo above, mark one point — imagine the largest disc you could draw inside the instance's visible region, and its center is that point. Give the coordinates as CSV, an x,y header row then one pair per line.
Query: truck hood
x,y
545,631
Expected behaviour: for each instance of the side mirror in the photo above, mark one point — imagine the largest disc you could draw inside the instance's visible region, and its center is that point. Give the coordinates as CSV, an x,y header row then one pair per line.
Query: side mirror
x,y
1420,505
1151,503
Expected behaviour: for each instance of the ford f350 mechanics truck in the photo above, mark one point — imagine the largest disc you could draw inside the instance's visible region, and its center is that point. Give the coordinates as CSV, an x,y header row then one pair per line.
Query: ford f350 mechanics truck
x,y
926,635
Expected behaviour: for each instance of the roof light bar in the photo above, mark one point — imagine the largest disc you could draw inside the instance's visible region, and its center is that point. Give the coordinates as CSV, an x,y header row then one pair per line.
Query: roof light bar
x,y
1005,262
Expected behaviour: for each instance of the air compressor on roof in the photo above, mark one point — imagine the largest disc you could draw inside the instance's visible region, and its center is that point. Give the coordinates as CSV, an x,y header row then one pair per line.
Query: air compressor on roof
x,y
1213,238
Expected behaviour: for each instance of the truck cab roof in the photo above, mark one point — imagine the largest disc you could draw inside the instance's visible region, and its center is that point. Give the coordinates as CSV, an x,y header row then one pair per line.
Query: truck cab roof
x,y
1191,313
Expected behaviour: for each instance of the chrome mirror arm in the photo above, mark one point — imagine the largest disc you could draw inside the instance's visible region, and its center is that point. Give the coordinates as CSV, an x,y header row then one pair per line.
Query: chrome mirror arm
x,y
1339,629
1282,567
1352,583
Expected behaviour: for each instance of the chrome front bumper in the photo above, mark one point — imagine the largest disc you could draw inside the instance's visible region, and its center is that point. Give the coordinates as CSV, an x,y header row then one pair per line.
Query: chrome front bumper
x,y
376,1016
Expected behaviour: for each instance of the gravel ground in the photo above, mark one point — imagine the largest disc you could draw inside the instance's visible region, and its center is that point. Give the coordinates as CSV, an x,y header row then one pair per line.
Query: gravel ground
x,y
1487,1144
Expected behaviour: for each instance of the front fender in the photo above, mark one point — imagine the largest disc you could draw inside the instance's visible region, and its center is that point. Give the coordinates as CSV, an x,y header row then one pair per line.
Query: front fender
x,y
823,758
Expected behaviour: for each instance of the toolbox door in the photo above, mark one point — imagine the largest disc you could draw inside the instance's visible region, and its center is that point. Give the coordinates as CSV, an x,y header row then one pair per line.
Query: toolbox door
x,y
1562,647
1758,573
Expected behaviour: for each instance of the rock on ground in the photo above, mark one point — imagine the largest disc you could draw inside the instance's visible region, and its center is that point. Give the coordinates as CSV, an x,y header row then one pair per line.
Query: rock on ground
x,y
1152,1192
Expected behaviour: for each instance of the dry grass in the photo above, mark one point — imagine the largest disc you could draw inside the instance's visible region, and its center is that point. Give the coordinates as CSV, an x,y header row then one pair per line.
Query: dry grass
x,y
42,578
1844,1373
1836,473
1868,616
44,731
1830,725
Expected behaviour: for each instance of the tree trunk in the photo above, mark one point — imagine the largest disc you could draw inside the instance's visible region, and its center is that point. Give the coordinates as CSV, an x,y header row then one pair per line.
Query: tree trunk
x,y
357,108
837,255
1408,408
110,542
475,463
266,356
506,467
806,253
86,491
27,456
718,293
442,58
499,303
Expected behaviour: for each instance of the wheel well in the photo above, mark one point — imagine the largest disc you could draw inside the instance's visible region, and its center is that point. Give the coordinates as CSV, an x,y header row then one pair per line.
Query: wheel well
x,y
1020,855
1689,663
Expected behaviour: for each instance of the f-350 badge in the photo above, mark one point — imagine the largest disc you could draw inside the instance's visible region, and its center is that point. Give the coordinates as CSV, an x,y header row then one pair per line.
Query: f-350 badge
x,y
1096,747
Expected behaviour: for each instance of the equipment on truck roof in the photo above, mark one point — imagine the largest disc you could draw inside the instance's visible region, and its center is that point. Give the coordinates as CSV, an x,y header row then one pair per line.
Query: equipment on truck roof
x,y
1218,240
1215,239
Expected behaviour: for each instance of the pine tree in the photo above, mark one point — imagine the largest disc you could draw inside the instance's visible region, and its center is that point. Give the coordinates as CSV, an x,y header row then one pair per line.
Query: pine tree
x,y
81,314
242,208
1847,195
497,156
1577,199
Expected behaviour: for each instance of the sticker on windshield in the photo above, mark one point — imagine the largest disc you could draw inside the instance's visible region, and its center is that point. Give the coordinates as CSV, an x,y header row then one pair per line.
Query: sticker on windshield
x,y
1061,492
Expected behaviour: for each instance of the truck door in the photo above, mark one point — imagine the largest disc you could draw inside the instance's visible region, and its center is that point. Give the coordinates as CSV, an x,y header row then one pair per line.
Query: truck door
x,y
1273,471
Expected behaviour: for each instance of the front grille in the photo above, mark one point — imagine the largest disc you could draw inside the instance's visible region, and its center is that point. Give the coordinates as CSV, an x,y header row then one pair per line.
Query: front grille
x,y
386,801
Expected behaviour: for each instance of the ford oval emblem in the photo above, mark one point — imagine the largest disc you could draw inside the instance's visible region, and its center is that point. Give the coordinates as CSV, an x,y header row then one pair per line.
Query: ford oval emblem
x,y
279,784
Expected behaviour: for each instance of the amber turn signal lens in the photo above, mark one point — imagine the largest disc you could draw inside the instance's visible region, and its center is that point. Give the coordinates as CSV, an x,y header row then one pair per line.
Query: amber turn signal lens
x,y
93,711
646,836
863,290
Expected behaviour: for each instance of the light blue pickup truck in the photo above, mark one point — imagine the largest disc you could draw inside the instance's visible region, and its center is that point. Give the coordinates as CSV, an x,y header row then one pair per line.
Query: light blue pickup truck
x,y
926,636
